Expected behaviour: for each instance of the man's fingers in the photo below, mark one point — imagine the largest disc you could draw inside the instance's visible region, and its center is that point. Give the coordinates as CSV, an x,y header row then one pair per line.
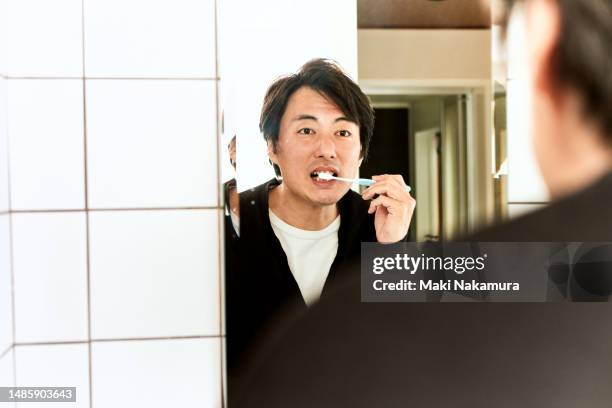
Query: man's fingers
x,y
392,185
395,177
390,204
391,188
381,187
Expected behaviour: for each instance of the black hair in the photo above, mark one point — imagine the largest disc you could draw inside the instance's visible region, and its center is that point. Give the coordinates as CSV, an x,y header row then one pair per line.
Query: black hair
x,y
582,59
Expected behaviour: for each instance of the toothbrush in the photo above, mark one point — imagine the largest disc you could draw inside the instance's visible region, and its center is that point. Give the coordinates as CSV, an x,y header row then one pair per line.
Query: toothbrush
x,y
360,181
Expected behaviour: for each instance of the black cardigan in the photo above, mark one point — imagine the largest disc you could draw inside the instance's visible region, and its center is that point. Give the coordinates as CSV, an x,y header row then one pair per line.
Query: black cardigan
x,y
261,284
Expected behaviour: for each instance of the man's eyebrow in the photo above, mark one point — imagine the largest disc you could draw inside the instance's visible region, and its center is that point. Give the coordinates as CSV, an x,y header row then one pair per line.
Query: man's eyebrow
x,y
304,117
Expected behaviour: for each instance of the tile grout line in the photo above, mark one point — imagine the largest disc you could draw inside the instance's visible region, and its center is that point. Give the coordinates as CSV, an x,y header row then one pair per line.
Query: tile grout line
x,y
118,339
82,78
50,343
220,215
86,201
194,337
113,209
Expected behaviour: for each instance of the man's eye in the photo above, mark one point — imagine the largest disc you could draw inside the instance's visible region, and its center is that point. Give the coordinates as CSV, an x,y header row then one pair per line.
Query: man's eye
x,y
343,133
306,131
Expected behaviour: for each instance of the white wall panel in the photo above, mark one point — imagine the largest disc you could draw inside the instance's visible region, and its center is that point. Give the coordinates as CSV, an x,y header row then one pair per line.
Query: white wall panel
x,y
4,176
525,182
7,373
151,144
157,373
3,36
140,38
6,286
54,366
50,268
46,144
154,273
45,38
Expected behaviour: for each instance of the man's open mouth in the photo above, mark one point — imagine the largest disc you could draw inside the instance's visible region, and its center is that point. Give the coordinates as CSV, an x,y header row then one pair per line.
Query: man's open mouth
x,y
319,171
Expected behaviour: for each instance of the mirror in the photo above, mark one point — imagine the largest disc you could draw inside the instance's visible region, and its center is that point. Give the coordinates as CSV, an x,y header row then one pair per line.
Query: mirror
x,y
427,70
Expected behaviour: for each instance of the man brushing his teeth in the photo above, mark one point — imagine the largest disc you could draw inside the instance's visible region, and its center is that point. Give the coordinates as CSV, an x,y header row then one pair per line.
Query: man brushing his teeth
x,y
300,232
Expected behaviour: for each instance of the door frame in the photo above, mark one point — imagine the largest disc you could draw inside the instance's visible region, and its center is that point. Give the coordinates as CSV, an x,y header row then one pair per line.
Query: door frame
x,y
480,147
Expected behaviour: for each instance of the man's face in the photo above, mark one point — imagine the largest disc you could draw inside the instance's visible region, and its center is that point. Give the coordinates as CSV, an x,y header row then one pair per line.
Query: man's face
x,y
315,136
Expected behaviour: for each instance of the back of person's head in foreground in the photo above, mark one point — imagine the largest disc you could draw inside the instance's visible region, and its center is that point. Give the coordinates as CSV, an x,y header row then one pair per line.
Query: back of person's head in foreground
x,y
316,119
569,46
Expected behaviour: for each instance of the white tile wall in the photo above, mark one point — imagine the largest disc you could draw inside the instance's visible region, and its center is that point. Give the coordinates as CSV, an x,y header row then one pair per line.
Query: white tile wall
x,y
46,144
54,366
3,36
525,182
50,269
6,372
45,38
6,377
4,177
151,144
154,273
6,307
157,373
516,41
140,38
139,134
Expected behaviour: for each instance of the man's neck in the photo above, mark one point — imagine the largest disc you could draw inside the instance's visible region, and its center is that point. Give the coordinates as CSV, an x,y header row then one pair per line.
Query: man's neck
x,y
585,158
298,213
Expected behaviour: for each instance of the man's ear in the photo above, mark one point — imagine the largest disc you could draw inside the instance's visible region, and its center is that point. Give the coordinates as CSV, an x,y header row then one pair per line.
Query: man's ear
x,y
361,154
543,20
271,153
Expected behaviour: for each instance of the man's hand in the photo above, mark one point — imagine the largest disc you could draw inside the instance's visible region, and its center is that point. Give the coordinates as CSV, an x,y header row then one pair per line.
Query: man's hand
x,y
394,207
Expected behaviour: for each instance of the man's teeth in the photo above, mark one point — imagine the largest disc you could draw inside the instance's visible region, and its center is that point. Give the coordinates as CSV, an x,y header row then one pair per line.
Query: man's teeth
x,y
325,175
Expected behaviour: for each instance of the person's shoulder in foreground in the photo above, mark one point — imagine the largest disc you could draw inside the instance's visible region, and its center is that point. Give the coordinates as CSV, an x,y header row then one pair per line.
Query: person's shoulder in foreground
x,y
438,355
582,216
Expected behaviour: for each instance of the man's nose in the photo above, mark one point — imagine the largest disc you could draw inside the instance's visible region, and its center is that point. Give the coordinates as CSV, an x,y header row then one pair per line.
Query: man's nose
x,y
327,147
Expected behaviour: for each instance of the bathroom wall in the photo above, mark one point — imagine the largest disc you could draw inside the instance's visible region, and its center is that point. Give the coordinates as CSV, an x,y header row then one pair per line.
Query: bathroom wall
x,y
6,298
114,214
422,57
526,189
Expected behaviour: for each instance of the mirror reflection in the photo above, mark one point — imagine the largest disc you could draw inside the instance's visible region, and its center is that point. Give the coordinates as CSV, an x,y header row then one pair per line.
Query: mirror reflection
x,y
402,97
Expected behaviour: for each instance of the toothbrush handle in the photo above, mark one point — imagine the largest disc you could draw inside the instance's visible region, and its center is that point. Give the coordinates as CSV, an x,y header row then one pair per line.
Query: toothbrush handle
x,y
368,183
365,182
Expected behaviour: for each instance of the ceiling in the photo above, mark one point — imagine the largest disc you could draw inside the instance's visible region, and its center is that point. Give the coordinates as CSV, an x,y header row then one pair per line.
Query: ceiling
x,y
423,13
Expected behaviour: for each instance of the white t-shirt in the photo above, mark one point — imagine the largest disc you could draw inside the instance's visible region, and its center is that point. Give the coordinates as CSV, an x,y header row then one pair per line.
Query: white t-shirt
x,y
310,254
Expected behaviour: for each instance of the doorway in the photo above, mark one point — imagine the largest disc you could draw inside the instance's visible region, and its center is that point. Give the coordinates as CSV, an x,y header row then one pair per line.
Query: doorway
x,y
425,139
